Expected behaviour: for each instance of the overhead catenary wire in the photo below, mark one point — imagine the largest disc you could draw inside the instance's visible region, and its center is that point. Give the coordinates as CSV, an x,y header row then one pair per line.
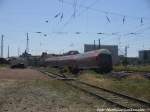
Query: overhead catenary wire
x,y
108,19
79,14
124,18
85,9
143,29
108,12
74,8
62,13
141,21
139,31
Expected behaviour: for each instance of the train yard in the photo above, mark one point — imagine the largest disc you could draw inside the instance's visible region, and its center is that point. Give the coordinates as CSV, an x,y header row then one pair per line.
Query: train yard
x,y
69,71
98,93
75,56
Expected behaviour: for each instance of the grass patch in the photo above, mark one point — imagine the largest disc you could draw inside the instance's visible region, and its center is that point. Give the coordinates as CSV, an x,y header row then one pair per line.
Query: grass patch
x,y
69,97
136,86
3,65
51,69
46,96
145,68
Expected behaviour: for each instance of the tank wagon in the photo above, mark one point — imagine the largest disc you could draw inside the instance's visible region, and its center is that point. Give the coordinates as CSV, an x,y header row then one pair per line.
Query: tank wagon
x,y
18,63
99,60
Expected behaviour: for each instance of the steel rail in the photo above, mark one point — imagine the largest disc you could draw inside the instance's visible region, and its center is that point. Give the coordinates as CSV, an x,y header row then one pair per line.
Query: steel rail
x,y
97,96
116,93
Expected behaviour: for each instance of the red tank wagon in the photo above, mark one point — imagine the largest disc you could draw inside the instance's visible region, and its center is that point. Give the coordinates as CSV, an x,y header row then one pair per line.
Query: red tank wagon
x,y
99,60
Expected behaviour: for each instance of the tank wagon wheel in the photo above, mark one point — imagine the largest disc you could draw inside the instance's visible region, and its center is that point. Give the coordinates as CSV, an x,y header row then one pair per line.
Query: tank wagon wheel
x,y
74,70
64,69
103,70
69,69
99,71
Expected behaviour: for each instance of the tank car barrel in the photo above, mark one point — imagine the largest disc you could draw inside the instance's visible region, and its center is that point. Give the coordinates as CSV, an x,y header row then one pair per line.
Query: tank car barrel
x,y
100,60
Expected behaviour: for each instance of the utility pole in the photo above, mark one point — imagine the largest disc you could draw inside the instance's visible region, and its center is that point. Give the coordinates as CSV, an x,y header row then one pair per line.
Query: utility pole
x,y
126,50
94,45
2,45
18,51
99,45
27,44
126,54
8,51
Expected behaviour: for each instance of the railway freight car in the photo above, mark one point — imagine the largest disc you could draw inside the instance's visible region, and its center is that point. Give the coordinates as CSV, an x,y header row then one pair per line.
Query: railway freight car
x,y
99,60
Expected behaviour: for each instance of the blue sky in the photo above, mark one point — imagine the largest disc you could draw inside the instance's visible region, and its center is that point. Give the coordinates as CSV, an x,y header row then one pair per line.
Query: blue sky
x,y
17,17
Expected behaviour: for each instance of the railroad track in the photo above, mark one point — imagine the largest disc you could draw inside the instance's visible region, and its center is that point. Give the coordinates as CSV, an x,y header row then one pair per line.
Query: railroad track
x,y
126,74
117,99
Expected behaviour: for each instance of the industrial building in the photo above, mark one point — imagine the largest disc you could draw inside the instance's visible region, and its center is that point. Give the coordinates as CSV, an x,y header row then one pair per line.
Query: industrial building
x,y
144,56
112,48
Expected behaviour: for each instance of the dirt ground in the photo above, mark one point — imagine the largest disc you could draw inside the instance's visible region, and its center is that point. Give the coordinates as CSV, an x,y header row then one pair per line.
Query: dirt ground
x,y
21,74
27,90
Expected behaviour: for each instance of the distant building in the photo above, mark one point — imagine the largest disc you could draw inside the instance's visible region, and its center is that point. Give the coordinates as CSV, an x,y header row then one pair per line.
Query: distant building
x,y
144,56
112,48
129,60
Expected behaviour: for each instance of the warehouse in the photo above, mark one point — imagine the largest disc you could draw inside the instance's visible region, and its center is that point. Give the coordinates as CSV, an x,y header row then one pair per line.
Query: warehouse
x,y
144,56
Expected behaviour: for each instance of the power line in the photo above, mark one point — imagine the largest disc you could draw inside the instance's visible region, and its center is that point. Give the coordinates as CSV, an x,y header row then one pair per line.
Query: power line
x,y
139,31
72,16
107,12
143,30
75,8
